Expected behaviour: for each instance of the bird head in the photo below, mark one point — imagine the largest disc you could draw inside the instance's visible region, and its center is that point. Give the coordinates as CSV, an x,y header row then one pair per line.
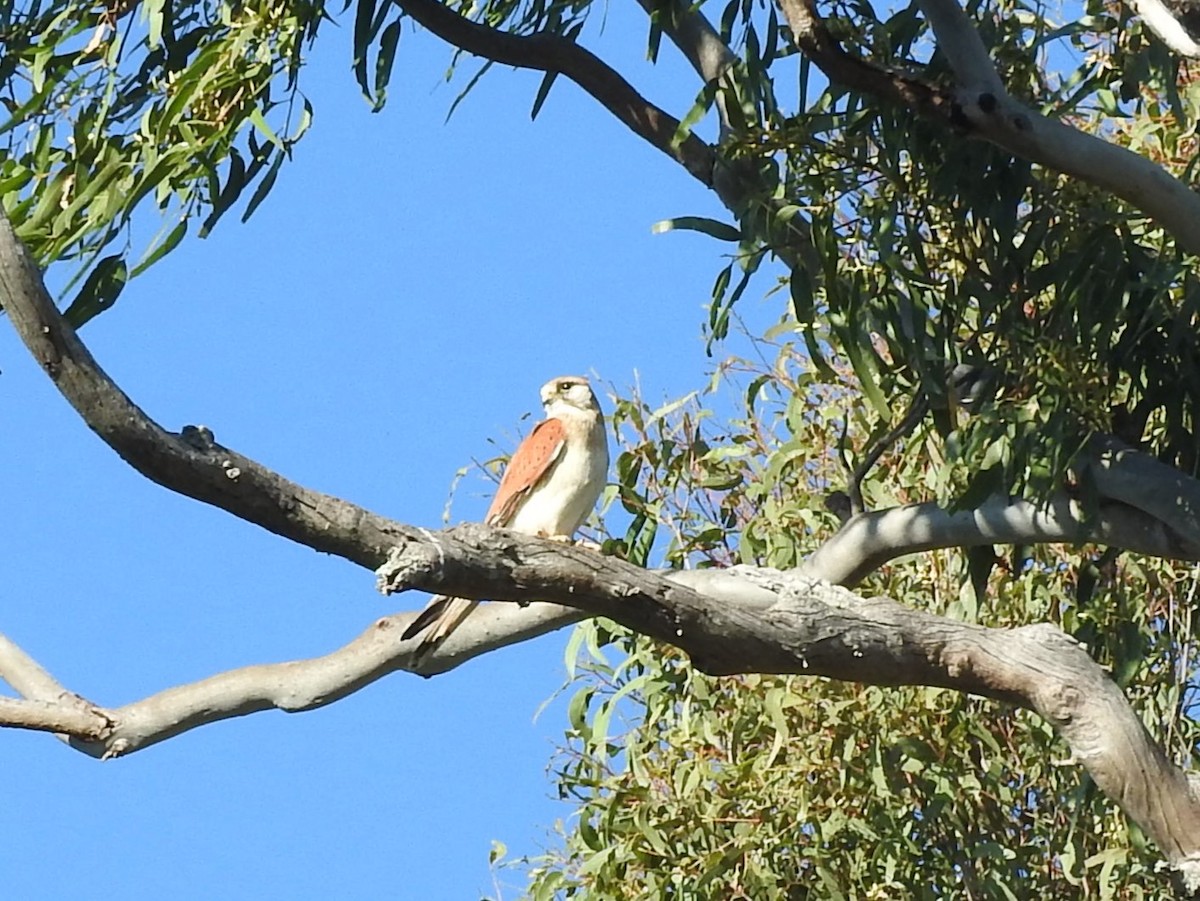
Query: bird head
x,y
571,391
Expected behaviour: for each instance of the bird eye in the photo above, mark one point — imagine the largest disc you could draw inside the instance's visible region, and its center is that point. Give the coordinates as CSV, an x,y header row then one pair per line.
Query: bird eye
x,y
564,386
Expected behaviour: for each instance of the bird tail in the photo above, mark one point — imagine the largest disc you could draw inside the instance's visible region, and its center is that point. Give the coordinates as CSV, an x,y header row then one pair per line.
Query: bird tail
x,y
440,618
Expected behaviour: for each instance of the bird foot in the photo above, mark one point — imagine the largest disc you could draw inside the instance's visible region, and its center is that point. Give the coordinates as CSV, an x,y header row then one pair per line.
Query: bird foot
x,y
567,539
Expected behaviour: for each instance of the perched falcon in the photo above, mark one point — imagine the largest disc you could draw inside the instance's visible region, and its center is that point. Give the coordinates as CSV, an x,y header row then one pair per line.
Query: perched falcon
x,y
550,486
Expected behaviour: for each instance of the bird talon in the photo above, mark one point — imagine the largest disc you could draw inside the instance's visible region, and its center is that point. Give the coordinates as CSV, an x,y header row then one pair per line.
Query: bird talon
x,y
574,542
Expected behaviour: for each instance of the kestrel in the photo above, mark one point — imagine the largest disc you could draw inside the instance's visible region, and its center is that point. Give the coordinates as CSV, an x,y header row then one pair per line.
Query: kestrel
x,y
550,486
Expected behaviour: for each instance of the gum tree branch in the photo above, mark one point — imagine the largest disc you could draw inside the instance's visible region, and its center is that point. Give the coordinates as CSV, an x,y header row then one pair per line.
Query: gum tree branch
x,y
26,675
293,686
301,685
869,540
1146,484
815,40
735,621
52,716
980,106
738,190
1168,28
817,629
755,620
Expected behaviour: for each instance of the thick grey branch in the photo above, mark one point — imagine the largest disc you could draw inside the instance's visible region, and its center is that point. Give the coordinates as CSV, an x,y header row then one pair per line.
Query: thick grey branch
x,y
1140,182
999,118
1167,26
837,634
300,685
750,621
813,628
1147,484
869,540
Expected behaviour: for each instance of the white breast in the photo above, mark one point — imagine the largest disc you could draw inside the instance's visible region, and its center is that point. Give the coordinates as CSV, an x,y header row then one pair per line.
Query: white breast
x,y
559,505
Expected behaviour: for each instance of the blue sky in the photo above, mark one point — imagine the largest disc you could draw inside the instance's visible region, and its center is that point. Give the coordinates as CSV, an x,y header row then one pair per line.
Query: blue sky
x,y
394,305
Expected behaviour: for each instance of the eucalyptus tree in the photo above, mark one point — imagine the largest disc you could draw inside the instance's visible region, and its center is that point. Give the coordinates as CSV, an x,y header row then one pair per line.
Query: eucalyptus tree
x,y
986,364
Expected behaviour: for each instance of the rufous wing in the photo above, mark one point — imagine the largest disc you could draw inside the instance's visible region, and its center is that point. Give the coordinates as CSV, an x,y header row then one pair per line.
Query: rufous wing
x,y
534,458
531,463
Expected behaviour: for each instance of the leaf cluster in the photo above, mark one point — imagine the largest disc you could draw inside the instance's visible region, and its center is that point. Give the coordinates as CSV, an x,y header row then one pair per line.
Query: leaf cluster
x,y
117,106
686,786
931,251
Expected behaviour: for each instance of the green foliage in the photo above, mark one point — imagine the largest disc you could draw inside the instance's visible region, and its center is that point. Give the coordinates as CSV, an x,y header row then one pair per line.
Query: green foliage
x,y
115,107
686,786
933,250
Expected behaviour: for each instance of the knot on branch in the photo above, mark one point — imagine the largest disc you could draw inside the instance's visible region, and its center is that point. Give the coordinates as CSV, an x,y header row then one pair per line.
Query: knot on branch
x,y
199,437
408,564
